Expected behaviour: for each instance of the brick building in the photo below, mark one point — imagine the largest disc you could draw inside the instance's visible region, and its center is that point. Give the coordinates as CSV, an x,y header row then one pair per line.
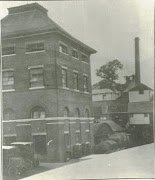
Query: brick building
x,y
46,77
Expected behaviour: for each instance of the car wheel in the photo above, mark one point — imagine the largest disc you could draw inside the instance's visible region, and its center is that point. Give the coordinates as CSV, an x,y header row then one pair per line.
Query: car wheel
x,y
12,171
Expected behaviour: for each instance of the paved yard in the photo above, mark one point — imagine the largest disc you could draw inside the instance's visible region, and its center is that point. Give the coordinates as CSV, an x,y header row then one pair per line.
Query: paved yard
x,y
130,163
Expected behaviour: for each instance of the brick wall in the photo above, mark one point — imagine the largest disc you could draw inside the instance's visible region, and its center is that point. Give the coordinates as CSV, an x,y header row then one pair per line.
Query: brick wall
x,y
23,99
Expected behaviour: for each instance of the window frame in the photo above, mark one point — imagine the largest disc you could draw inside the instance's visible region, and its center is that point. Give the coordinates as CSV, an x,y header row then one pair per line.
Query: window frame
x,y
85,86
75,50
103,96
131,115
35,50
83,54
10,54
8,86
76,85
87,113
9,113
39,110
61,49
66,112
141,91
64,69
146,114
33,82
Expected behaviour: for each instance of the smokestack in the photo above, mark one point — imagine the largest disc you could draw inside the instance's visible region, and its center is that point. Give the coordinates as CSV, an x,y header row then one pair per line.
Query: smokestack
x,y
137,61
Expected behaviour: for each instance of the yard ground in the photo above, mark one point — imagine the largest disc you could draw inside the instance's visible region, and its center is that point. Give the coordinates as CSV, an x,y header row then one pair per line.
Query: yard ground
x,y
137,162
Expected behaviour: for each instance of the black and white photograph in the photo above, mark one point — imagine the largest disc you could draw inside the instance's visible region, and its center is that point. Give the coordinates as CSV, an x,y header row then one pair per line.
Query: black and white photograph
x,y
77,89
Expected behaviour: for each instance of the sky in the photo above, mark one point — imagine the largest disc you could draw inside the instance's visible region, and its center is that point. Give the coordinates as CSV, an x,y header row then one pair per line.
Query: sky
x,y
108,26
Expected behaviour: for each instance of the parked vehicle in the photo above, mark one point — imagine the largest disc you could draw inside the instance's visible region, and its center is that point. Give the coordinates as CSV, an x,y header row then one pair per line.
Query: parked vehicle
x,y
27,152
18,159
8,152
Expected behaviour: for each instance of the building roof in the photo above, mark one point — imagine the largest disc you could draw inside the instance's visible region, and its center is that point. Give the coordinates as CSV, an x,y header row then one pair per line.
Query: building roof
x,y
130,85
102,91
133,86
140,87
140,107
115,127
31,19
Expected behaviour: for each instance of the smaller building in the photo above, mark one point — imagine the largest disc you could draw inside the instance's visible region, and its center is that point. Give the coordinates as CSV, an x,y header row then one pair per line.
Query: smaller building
x,y
104,95
111,105
140,105
140,109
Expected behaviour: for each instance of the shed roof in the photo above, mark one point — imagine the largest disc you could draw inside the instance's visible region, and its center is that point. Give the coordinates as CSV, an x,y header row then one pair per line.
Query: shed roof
x,y
140,107
130,85
115,127
140,87
102,91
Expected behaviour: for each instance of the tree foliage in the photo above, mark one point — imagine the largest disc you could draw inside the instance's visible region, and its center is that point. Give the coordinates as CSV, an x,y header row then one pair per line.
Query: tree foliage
x,y
109,73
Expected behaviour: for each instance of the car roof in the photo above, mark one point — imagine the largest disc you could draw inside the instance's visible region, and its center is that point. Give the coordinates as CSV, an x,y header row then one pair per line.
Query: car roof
x,y
8,147
21,143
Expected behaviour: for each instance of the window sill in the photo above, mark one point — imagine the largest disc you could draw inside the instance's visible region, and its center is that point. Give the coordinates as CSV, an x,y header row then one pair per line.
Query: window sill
x,y
75,58
66,132
87,130
78,144
63,53
8,90
76,90
65,88
7,55
34,52
86,92
41,87
85,62
77,131
87,142
34,67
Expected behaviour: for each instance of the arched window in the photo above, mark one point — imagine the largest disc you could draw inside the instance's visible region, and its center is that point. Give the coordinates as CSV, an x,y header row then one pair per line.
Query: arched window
x,y
38,112
66,112
8,114
77,112
87,113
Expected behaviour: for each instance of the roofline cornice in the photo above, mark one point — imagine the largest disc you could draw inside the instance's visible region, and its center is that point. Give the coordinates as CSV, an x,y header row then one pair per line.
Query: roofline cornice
x,y
6,37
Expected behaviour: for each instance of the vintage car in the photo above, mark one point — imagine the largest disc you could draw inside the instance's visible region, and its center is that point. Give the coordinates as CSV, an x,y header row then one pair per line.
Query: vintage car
x,y
18,159
27,152
8,152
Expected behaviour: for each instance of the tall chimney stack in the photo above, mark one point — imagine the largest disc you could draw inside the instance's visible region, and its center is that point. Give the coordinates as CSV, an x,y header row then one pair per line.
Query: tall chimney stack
x,y
137,61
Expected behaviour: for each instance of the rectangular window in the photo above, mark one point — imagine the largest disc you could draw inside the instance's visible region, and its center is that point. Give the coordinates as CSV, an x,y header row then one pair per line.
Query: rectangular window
x,y
63,48
8,50
64,77
85,83
76,80
75,53
131,115
35,47
77,137
103,96
84,58
67,141
141,91
8,79
145,115
87,137
36,77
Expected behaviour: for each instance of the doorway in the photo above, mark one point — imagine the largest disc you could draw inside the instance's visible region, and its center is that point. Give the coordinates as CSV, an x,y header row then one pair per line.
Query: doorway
x,y
40,144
